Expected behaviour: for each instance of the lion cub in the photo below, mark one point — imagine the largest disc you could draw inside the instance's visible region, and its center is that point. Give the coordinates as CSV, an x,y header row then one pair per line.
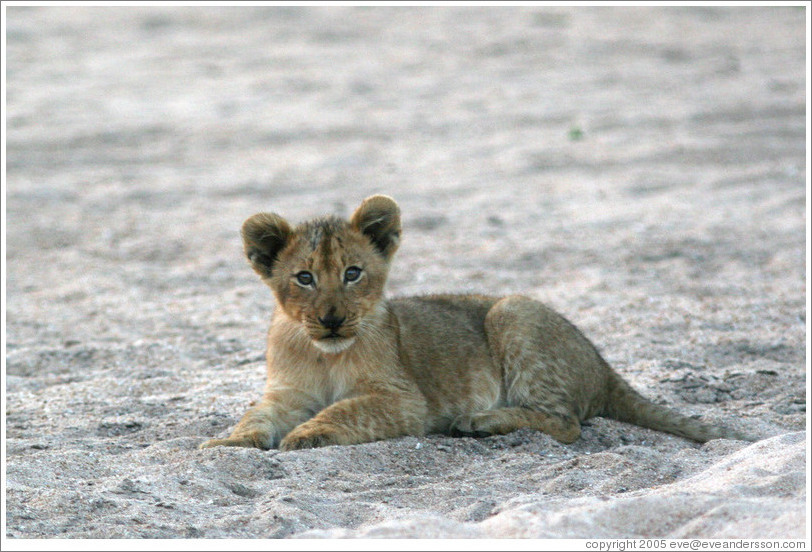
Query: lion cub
x,y
346,365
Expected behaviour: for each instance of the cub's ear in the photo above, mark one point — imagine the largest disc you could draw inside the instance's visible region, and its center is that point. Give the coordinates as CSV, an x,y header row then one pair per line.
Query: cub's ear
x,y
263,236
378,218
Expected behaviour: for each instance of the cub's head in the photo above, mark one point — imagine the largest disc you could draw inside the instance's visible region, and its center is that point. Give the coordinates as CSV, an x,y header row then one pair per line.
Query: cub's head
x,y
327,274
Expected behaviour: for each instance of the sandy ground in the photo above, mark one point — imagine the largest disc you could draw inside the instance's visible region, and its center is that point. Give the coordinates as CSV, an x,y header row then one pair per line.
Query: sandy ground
x,y
641,170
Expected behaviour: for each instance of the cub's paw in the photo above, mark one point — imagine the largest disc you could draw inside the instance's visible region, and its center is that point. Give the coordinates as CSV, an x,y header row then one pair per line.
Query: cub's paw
x,y
224,443
309,436
246,441
478,424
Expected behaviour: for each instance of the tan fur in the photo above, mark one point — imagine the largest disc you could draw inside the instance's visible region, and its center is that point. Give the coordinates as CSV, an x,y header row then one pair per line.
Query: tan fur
x,y
347,366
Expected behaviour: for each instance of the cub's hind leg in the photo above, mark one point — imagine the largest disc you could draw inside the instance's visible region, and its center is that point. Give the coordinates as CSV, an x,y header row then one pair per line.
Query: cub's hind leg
x,y
552,375
565,429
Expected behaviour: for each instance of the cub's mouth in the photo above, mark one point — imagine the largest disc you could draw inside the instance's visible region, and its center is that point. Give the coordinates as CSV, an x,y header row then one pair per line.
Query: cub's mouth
x,y
333,343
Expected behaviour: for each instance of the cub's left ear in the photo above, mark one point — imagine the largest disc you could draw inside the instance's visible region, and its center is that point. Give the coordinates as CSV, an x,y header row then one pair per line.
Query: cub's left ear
x,y
378,218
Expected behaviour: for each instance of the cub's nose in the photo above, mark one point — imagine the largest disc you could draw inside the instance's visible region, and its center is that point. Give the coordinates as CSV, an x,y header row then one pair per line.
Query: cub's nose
x,y
332,322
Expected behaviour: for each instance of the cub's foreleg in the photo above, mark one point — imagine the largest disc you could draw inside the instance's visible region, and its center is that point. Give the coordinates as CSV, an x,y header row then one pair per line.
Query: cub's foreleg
x,y
369,417
263,426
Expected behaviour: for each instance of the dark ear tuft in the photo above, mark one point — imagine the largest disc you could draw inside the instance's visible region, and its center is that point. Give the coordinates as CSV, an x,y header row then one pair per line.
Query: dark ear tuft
x,y
378,218
263,236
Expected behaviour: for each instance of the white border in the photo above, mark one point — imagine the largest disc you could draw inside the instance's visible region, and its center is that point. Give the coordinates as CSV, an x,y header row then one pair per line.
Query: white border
x,y
359,544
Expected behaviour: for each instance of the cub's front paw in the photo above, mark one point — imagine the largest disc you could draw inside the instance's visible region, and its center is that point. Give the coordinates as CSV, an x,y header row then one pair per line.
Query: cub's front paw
x,y
250,440
309,436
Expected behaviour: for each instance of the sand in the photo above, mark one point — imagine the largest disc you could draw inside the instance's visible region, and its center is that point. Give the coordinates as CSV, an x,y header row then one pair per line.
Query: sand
x,y
641,170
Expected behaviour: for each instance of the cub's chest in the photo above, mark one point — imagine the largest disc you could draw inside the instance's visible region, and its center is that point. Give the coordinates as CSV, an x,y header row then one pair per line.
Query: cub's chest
x,y
331,378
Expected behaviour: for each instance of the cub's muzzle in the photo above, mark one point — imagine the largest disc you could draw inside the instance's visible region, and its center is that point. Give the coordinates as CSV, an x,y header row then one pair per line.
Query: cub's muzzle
x,y
332,322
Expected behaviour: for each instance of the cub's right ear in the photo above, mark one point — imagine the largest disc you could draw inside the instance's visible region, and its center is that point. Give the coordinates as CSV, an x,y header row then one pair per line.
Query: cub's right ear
x,y
263,236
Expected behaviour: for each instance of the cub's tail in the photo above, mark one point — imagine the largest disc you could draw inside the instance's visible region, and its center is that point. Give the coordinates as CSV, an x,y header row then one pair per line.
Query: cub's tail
x,y
627,405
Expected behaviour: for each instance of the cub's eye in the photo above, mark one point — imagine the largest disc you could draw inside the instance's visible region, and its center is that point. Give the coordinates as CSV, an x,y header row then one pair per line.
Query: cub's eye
x,y
304,278
352,274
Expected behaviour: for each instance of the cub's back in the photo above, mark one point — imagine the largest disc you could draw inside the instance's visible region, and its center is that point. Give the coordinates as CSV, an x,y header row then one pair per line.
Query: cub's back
x,y
454,313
